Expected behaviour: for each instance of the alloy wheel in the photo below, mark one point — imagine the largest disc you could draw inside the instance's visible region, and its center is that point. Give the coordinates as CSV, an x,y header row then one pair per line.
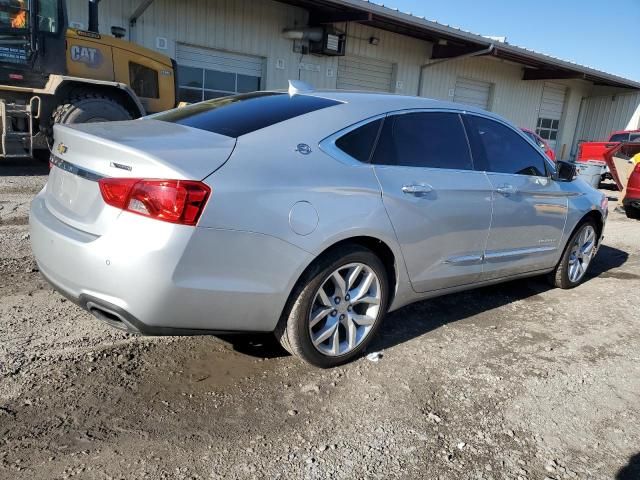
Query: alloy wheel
x,y
582,252
344,309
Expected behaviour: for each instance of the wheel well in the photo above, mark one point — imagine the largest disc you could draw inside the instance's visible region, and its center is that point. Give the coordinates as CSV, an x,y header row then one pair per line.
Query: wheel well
x,y
69,90
378,247
596,216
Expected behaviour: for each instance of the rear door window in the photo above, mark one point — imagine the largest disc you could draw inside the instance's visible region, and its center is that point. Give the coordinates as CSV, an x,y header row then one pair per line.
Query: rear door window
x,y
424,139
497,148
238,115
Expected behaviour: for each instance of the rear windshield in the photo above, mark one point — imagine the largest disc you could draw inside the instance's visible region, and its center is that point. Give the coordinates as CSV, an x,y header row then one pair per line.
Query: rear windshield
x,y
241,114
619,137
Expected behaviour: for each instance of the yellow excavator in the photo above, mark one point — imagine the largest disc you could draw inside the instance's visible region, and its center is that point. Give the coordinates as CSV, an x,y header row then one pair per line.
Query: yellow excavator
x,y
50,73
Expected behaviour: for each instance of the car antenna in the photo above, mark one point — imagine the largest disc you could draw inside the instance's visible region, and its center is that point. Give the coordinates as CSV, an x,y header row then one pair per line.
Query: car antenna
x,y
297,87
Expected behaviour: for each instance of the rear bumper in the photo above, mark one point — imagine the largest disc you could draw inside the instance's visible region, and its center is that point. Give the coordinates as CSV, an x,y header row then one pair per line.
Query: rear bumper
x,y
157,278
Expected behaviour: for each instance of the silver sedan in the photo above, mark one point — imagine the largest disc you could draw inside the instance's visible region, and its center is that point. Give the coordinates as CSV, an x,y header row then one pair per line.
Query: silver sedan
x,y
309,214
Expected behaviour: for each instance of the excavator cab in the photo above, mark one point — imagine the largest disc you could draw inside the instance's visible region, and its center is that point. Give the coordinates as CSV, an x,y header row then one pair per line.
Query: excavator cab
x,y
32,33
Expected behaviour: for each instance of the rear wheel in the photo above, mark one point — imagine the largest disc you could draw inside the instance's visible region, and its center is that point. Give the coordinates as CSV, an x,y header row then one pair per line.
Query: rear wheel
x,y
632,212
336,308
90,108
577,257
87,108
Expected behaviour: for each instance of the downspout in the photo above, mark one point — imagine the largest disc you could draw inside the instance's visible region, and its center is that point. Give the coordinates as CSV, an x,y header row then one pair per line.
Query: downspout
x,y
479,53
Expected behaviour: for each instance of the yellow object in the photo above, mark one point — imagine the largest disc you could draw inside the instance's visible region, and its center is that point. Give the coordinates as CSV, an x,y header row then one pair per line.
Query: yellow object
x,y
103,57
636,159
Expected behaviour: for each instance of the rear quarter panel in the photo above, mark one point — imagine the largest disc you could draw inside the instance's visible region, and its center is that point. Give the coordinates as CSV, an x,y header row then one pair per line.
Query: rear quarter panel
x,y
257,189
585,199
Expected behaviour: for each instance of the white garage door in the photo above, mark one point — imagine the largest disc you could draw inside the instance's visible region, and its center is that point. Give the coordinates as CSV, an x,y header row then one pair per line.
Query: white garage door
x,y
551,110
359,73
204,73
472,92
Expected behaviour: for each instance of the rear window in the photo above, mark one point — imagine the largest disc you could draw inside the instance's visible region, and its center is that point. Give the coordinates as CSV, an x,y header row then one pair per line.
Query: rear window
x,y
619,137
241,114
359,143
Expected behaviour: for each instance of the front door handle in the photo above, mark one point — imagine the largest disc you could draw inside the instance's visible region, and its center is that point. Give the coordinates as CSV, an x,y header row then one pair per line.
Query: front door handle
x,y
417,189
506,190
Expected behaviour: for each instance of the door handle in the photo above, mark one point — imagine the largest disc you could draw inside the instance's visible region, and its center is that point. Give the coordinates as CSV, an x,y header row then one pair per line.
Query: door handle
x,y
506,190
417,189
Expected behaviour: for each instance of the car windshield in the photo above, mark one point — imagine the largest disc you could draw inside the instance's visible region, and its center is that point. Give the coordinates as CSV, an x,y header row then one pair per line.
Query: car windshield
x,y
238,115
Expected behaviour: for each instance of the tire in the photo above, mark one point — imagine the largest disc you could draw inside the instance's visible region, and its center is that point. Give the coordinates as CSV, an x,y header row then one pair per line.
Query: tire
x,y
294,330
632,212
563,276
86,109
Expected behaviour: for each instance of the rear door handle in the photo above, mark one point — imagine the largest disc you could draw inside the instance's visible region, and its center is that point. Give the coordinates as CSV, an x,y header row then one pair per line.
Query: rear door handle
x,y
417,189
506,190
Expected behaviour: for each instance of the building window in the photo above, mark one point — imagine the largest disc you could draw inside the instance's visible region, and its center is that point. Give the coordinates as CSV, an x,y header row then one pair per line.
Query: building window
x,y
198,84
548,128
144,80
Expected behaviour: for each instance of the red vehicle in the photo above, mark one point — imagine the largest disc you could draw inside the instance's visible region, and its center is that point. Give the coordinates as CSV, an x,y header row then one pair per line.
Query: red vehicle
x,y
597,150
631,201
541,142
625,175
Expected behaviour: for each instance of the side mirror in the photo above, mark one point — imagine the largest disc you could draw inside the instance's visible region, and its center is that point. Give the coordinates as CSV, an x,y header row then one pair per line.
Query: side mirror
x,y
565,171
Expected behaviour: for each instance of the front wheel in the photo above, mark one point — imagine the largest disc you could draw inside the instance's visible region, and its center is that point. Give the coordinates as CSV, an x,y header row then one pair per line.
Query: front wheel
x,y
337,307
575,261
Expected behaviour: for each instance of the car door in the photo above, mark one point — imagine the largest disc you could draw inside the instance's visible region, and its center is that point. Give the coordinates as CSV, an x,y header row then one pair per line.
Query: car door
x,y
529,208
439,206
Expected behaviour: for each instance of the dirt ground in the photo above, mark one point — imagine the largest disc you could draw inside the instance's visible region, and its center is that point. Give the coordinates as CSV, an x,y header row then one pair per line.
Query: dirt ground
x,y
517,381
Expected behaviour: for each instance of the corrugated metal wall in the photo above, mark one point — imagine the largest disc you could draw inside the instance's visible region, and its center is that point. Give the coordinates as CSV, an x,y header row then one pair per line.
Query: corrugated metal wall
x,y
254,27
606,113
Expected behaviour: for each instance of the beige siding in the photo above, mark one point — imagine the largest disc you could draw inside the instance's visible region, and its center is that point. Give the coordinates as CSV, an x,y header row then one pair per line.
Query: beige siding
x,y
240,26
512,98
254,27
606,113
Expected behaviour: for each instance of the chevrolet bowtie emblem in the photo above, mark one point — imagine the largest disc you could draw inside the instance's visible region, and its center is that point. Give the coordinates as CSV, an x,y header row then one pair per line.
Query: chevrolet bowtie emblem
x,y
62,148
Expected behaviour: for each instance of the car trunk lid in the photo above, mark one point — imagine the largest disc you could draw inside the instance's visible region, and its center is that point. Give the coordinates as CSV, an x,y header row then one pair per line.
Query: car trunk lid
x,y
146,148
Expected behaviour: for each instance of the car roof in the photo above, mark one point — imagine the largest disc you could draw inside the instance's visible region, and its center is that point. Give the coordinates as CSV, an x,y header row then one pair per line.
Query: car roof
x,y
386,102
617,132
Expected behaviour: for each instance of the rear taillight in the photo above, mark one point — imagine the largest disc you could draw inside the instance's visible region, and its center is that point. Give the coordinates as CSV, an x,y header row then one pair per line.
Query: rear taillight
x,y
174,201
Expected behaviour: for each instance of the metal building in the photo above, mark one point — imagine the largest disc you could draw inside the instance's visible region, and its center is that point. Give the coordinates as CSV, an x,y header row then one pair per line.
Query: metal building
x,y
229,46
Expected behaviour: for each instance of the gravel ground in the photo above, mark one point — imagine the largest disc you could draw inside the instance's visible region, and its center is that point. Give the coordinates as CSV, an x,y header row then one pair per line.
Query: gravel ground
x,y
516,381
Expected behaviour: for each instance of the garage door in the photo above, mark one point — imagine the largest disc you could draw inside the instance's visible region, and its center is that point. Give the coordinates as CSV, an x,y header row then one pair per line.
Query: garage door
x,y
472,92
359,73
204,73
551,110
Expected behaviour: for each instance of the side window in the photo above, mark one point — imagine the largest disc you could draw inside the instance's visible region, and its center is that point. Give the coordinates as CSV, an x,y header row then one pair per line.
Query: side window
x,y
634,137
144,80
359,143
497,148
430,140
